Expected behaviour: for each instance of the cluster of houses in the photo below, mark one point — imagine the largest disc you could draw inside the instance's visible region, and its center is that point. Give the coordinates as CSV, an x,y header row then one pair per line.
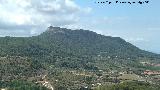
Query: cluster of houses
x,y
150,64
149,72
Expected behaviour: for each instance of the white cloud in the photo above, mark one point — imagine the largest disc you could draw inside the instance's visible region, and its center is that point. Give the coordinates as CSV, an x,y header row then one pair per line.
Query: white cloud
x,y
20,15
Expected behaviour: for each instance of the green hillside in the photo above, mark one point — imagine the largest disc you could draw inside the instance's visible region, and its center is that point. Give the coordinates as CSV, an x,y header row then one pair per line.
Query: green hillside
x,y
60,49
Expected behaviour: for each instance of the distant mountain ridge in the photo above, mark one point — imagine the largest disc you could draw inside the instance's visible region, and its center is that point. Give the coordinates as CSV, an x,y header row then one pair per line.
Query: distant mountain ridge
x,y
91,38
66,48
72,41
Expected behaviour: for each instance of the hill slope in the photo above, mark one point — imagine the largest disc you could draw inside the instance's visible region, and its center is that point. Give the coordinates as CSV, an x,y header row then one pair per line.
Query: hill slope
x,y
75,49
58,52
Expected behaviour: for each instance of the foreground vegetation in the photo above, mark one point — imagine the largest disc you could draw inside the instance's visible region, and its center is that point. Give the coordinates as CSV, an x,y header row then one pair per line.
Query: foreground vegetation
x,y
20,85
129,86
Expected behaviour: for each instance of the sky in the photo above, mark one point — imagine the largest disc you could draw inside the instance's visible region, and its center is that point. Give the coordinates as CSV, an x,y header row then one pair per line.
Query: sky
x,y
138,24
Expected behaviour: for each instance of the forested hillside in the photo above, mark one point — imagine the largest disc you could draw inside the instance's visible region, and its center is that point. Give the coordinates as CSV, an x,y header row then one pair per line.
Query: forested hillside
x,y
60,49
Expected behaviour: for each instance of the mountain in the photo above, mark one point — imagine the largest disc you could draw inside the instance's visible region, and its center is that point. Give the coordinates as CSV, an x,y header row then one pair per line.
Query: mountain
x,y
24,57
81,46
91,43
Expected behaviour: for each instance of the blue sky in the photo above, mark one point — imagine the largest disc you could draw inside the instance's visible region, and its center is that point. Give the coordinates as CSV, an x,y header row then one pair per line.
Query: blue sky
x,y
137,24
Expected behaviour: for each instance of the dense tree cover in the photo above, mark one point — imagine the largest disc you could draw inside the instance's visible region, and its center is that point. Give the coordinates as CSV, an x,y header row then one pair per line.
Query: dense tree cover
x,y
15,67
70,48
129,86
21,85
22,57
